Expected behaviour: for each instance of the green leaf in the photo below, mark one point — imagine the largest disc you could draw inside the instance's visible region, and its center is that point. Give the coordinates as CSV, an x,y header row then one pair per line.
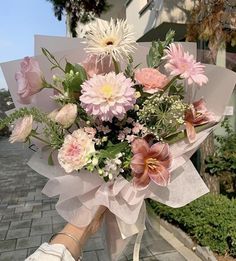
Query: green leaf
x,y
79,77
112,150
69,67
80,69
50,160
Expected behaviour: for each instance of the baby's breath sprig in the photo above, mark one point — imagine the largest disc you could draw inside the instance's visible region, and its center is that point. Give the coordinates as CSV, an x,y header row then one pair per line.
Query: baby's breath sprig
x,y
162,115
52,131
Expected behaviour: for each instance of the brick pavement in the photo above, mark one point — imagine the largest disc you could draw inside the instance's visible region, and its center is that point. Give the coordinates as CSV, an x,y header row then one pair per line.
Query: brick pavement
x,y
28,218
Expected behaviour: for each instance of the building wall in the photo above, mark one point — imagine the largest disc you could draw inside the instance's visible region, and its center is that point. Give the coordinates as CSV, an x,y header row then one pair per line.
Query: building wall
x,y
155,12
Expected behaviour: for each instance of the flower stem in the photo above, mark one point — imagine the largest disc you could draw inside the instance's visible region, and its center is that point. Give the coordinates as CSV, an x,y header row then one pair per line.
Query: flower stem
x,y
170,83
50,86
117,66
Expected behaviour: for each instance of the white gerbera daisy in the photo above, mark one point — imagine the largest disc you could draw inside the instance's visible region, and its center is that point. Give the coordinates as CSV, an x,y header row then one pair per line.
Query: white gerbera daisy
x,y
114,38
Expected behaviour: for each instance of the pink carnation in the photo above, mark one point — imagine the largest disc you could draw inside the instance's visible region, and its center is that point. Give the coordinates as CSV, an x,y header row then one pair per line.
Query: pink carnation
x,y
108,96
75,151
152,80
183,64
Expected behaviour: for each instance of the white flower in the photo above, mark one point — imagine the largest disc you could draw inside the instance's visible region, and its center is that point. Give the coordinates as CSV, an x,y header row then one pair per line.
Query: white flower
x,y
76,151
112,167
114,38
22,130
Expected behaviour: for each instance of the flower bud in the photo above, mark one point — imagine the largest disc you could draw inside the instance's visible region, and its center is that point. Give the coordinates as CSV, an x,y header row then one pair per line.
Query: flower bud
x,y
67,115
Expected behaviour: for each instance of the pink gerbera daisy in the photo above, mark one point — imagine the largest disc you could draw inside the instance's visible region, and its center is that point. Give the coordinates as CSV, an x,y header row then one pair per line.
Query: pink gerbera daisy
x,y
183,64
107,96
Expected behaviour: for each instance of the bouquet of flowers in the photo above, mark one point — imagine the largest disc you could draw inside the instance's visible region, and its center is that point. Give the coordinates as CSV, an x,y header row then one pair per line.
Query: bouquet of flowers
x,y
121,130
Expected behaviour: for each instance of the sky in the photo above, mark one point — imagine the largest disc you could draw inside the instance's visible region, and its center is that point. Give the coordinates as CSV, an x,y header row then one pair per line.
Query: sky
x,y
20,20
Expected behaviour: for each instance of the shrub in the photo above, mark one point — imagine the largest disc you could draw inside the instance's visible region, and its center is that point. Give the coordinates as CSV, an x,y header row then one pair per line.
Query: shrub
x,y
209,220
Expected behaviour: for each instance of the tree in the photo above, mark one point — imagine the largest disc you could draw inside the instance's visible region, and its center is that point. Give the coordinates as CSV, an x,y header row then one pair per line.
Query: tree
x,y
213,21
78,11
5,105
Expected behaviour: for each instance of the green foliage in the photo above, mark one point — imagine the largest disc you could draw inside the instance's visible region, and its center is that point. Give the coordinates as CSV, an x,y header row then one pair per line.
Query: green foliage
x,y
52,131
78,11
224,158
112,150
74,77
209,220
156,51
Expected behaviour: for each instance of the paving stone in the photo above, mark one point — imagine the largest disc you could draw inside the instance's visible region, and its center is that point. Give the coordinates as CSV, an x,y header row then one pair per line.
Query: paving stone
x,y
144,252
28,242
3,234
94,244
90,256
122,258
20,224
27,216
102,255
4,225
46,238
160,246
174,256
18,233
17,255
12,217
41,230
50,213
31,251
42,221
57,219
7,245
46,206
57,227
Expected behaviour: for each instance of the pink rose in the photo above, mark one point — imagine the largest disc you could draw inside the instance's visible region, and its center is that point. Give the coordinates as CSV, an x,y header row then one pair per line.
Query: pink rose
x,y
29,79
152,80
22,129
95,65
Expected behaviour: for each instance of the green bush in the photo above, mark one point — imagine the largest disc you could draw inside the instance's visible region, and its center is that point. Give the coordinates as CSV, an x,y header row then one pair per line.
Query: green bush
x,y
224,158
209,220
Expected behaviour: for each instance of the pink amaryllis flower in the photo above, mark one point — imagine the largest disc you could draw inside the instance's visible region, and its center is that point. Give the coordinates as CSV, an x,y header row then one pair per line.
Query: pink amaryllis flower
x,y
197,115
150,163
152,80
183,64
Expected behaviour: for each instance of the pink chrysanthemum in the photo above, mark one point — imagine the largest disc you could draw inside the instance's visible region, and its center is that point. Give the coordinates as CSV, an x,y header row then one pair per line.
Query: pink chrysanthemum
x,y
183,64
108,96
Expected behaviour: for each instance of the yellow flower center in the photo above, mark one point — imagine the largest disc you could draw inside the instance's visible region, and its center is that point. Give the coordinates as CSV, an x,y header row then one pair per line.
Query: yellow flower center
x,y
109,41
107,90
151,163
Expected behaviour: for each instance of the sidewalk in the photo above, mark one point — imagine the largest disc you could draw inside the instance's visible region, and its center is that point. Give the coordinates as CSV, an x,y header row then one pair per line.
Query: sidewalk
x,y
28,218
